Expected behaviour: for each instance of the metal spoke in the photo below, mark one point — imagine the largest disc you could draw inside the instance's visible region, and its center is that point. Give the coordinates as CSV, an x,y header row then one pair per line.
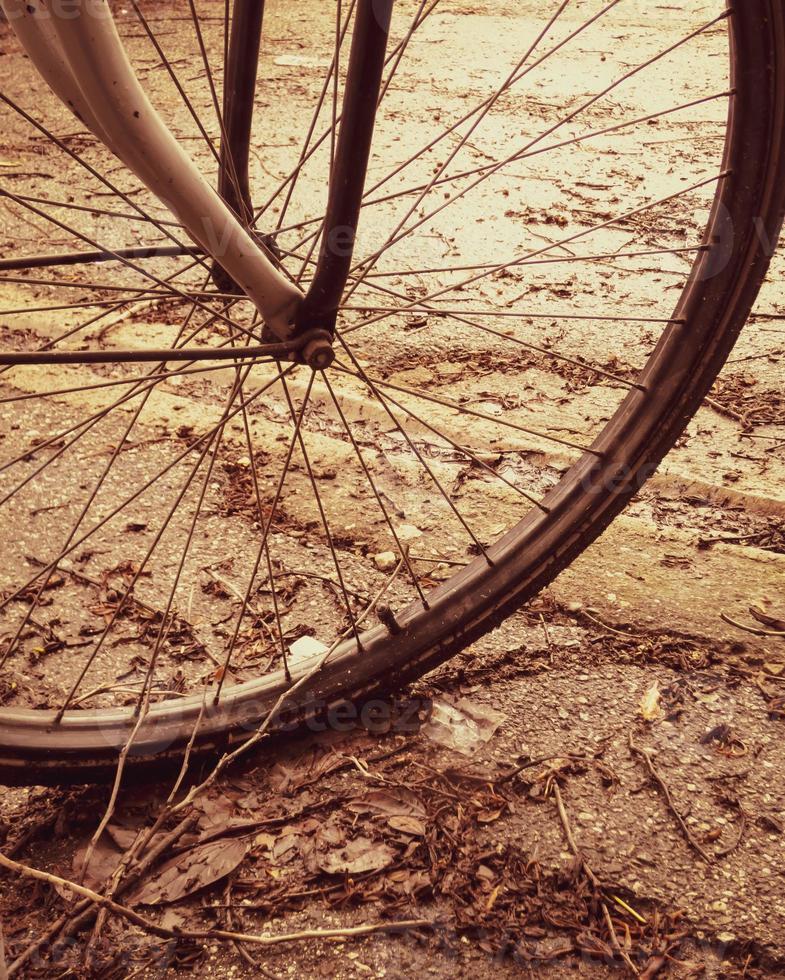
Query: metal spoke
x,y
520,155
367,263
336,73
94,209
216,104
371,384
173,75
481,111
402,549
437,311
166,618
572,141
322,514
118,382
461,316
138,571
267,557
84,257
400,49
512,263
92,496
293,174
304,152
376,383
101,413
127,262
261,550
146,486
458,447
213,443
556,260
138,293
509,83
84,425
98,317
164,229
514,76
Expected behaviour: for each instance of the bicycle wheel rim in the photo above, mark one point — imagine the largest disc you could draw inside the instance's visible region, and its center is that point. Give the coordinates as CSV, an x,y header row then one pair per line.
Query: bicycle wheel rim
x,y
710,313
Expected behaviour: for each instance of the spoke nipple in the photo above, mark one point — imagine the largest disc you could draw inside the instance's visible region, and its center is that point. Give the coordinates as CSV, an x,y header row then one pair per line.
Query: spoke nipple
x,y
387,618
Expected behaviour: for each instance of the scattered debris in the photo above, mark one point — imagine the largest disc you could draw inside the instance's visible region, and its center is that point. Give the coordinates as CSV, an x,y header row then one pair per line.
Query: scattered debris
x,y
462,725
304,649
651,708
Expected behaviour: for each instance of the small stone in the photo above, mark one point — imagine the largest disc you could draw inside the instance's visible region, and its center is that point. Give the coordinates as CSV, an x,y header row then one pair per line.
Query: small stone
x,y
385,561
408,532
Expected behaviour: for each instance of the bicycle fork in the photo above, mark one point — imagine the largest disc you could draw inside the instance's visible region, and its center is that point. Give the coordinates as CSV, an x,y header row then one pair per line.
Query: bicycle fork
x,y
80,55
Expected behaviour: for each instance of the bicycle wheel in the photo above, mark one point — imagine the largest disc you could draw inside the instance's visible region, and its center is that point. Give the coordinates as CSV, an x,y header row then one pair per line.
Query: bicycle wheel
x,y
542,297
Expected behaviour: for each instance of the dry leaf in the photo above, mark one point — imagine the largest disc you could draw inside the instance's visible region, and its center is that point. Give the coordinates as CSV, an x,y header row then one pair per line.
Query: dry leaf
x,y
407,825
489,816
216,811
103,861
355,857
771,622
307,768
392,803
189,872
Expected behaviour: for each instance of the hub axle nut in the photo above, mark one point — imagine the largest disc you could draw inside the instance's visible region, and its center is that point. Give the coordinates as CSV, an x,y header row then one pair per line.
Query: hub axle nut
x,y
318,353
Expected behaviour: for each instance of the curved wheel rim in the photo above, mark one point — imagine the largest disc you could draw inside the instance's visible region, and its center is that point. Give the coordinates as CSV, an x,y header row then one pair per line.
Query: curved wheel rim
x,y
708,316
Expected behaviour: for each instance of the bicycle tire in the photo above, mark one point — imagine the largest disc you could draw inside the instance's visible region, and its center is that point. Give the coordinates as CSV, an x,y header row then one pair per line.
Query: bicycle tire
x,y
715,303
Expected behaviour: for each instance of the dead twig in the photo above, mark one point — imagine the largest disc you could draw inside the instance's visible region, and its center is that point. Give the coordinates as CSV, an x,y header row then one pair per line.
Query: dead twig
x,y
83,912
547,635
735,802
723,409
616,944
573,844
565,822
350,932
755,630
142,840
3,967
244,954
530,763
643,754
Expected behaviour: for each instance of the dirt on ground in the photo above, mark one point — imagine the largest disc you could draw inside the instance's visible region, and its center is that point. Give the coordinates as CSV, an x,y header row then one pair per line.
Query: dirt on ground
x,y
595,787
